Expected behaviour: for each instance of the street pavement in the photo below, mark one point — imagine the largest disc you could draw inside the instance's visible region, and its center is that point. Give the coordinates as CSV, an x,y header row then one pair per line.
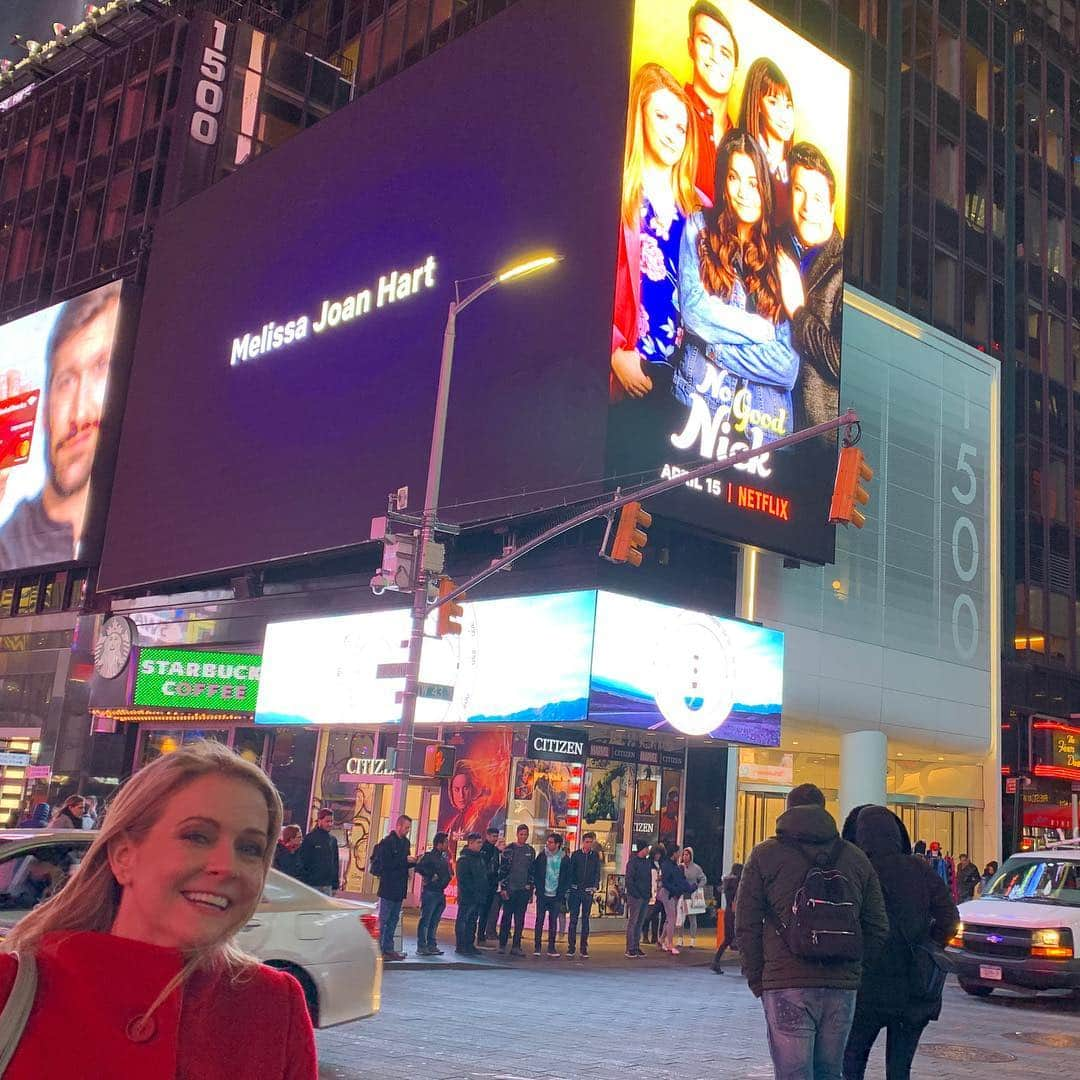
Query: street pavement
x,y
610,1018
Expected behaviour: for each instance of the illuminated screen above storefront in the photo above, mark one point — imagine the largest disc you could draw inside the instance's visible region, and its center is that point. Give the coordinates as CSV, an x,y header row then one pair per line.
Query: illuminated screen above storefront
x,y
564,657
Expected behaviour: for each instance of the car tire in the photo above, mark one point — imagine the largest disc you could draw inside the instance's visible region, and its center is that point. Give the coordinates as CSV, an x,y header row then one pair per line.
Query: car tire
x,y
311,995
976,989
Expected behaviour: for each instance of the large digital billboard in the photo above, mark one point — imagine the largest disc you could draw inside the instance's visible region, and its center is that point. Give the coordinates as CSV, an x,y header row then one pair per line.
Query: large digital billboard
x,y
588,655
729,282
56,367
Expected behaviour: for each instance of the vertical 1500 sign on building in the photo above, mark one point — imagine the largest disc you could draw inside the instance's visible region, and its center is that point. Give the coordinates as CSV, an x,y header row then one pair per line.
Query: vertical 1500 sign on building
x,y
729,290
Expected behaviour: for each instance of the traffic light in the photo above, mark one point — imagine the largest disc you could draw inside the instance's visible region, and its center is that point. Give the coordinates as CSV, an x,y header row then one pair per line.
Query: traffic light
x,y
630,536
851,473
448,614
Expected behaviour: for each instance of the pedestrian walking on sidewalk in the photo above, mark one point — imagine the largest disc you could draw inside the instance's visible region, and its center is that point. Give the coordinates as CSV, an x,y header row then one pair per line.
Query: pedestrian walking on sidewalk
x,y
144,950
434,868
488,921
639,889
901,988
696,878
472,890
803,958
390,863
725,923
673,887
584,881
654,918
318,856
515,888
551,873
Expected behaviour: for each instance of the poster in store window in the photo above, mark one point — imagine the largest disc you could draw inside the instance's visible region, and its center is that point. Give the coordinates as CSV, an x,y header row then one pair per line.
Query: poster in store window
x,y
474,797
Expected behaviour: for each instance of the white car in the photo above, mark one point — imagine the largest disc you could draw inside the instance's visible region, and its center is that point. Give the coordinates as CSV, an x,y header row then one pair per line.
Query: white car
x,y
1023,932
329,945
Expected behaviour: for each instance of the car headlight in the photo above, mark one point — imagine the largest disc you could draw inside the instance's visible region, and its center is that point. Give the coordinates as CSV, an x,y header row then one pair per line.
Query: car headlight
x,y
957,940
1052,944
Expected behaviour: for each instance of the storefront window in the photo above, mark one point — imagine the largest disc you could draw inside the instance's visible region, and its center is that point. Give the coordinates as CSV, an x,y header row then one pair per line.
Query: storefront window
x,y
156,743
607,789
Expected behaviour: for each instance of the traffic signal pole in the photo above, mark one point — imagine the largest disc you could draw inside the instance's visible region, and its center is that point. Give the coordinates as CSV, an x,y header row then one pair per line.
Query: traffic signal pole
x,y
619,500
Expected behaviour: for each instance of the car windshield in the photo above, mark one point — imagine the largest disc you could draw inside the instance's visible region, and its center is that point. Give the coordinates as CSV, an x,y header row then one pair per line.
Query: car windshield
x,y
1046,880
28,879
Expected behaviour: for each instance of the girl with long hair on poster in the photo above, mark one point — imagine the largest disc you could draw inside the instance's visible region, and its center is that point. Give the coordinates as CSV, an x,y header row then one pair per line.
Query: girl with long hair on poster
x,y
768,116
737,352
658,195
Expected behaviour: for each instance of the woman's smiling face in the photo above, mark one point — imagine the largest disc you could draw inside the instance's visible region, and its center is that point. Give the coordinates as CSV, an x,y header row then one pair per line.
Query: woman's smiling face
x,y
743,190
191,880
665,119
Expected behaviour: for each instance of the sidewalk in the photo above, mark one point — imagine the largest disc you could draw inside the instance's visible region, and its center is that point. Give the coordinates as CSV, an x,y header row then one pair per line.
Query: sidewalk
x,y
607,950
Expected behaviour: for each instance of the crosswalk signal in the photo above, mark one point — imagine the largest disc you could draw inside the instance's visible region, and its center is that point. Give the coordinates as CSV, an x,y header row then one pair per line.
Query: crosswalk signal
x,y
448,614
630,535
851,473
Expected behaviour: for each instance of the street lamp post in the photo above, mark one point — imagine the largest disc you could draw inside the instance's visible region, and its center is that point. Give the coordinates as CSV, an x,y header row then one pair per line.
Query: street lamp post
x,y
428,523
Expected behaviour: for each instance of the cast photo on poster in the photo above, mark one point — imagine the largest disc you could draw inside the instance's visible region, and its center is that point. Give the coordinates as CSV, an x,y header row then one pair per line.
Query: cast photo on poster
x,y
54,375
729,285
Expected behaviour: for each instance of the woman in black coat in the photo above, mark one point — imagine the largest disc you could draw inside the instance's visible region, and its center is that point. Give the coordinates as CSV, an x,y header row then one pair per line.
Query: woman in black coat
x,y
920,908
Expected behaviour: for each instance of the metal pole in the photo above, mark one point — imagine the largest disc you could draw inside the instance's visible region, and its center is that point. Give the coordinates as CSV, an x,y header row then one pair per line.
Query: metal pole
x,y
420,604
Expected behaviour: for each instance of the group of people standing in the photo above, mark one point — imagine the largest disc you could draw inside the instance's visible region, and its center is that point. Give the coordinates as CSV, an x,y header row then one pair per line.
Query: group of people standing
x,y
867,956
76,811
660,880
730,269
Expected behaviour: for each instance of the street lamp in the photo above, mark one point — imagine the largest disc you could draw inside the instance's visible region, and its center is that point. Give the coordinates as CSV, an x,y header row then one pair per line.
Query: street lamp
x,y
429,517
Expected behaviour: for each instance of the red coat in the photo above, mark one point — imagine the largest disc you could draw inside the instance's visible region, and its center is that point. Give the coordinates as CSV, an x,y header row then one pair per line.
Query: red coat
x,y
91,986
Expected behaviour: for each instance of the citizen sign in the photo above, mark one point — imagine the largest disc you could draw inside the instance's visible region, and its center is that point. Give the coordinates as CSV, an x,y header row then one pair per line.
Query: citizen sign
x,y
557,744
360,766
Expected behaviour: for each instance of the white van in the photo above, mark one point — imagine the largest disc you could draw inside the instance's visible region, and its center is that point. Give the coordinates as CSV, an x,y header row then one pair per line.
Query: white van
x,y
1023,932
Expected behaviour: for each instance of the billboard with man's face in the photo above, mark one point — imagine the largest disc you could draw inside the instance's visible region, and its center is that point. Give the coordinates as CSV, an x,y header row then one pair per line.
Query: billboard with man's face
x,y
729,282
54,378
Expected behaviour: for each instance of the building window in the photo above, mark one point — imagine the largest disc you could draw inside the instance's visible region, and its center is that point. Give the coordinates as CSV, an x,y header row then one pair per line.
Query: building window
x,y
977,81
975,321
947,171
944,289
949,62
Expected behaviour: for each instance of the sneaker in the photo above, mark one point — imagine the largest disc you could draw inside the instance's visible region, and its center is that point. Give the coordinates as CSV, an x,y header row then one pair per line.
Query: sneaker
x,y
517,950
501,950
632,954
485,946
435,951
394,956
639,954
422,950
673,951
584,954
553,954
570,952
718,969
536,952
467,950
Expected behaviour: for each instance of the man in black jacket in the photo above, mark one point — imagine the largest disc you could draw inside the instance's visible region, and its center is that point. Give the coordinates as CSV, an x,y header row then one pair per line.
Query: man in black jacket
x,y
515,888
809,1000
584,881
434,868
488,919
472,886
816,309
318,857
390,862
551,875
639,890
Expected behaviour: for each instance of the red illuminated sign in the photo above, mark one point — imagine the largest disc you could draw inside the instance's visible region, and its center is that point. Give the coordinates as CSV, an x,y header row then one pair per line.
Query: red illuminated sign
x,y
763,502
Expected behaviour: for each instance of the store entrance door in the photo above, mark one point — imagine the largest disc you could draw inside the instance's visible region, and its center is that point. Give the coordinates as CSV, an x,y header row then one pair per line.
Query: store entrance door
x,y
950,826
757,814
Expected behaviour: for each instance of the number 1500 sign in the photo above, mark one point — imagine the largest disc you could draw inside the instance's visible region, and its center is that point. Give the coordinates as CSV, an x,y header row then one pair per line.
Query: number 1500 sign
x,y
210,91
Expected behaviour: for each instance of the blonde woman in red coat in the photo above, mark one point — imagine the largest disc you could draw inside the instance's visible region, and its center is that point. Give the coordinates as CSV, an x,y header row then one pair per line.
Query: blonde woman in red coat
x,y
139,945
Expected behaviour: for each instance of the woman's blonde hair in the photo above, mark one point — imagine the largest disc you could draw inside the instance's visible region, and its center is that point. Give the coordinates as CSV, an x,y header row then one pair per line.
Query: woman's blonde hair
x,y
650,78
91,898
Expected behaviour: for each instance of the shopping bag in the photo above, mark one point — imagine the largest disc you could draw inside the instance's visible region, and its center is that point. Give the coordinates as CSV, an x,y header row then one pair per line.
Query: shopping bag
x,y
696,904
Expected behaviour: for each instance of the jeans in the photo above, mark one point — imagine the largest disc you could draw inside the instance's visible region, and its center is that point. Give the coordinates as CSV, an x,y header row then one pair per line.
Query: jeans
x,y
488,925
654,921
580,908
432,905
808,1030
636,910
546,906
465,925
513,907
667,930
902,1039
389,913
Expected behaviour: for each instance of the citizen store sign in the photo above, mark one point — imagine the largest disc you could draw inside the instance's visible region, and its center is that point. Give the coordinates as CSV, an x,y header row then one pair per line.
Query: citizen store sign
x,y
557,744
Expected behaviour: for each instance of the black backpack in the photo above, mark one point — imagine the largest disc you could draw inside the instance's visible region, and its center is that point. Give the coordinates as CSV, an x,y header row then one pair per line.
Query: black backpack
x,y
823,923
376,864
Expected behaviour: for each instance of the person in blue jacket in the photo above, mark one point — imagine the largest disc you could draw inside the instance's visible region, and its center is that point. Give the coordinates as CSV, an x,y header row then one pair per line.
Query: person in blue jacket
x,y
737,349
673,885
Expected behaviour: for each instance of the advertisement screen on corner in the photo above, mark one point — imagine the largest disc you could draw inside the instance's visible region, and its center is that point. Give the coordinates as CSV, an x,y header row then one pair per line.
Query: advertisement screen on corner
x,y
54,379
587,655
729,277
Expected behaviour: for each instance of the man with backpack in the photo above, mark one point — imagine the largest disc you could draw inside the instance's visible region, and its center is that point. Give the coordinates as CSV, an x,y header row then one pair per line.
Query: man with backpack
x,y
809,910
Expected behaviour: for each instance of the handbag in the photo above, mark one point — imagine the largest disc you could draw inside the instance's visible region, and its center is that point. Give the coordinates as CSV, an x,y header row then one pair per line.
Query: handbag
x,y
928,970
695,904
17,1009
